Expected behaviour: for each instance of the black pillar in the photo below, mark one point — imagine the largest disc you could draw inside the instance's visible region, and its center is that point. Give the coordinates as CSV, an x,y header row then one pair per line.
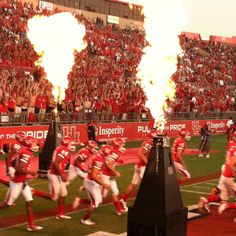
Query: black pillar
x,y
52,141
158,209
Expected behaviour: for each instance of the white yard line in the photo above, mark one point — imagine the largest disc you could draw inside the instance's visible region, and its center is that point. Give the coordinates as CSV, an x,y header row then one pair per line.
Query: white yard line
x,y
190,191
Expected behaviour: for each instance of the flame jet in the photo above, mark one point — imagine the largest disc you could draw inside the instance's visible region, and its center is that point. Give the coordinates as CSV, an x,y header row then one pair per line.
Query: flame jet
x,y
55,38
163,21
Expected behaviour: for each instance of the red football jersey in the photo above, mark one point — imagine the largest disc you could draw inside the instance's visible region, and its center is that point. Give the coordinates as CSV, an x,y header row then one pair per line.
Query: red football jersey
x,y
23,160
82,157
97,162
230,163
114,157
146,146
178,145
63,153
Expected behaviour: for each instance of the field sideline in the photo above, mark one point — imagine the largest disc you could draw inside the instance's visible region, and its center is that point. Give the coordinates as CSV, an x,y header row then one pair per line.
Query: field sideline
x,y
105,216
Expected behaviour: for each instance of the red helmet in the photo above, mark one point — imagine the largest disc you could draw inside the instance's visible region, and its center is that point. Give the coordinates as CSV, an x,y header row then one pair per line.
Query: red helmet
x,y
147,145
31,144
105,149
118,142
92,146
183,133
83,154
20,136
152,134
69,143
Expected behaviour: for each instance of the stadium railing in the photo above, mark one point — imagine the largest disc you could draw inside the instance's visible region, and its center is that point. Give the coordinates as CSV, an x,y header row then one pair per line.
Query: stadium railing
x,y
88,114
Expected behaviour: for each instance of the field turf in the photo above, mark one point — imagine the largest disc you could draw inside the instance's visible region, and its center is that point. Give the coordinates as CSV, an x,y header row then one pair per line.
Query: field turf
x,y
12,220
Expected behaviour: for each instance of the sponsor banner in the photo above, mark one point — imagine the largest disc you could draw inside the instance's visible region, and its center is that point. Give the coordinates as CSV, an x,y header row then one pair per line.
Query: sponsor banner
x,y
107,131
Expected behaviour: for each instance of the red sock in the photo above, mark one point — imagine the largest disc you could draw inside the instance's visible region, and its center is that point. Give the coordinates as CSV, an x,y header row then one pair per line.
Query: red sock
x,y
231,205
84,201
86,216
125,196
30,218
60,210
117,205
41,194
181,181
214,198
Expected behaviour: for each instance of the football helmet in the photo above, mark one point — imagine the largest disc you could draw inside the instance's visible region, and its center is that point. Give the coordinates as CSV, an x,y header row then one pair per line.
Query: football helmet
x,y
119,144
83,154
105,149
152,134
20,136
31,144
92,146
183,133
69,143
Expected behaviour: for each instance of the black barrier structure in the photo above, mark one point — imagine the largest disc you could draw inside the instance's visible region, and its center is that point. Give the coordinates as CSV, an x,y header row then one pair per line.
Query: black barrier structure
x,y
52,141
158,208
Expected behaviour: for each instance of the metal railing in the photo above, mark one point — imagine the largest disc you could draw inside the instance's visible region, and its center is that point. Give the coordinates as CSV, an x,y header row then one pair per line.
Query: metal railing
x,y
88,114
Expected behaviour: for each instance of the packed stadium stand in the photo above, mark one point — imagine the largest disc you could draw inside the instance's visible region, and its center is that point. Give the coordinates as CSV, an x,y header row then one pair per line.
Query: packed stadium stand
x,y
103,78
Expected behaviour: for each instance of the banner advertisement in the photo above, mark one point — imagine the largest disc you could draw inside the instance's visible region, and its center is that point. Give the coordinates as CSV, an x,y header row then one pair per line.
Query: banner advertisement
x,y
130,131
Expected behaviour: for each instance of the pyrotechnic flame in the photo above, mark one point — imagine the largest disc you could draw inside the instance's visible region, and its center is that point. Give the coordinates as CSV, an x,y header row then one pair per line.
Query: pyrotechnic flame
x,y
55,38
163,21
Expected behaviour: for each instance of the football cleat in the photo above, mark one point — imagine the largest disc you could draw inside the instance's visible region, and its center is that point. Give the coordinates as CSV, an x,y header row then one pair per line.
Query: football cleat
x,y
208,156
203,204
87,222
200,155
123,205
63,217
222,207
34,228
76,203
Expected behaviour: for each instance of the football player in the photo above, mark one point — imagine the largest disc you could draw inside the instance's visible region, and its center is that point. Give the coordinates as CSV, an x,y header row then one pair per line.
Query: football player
x,y
139,168
93,184
177,150
109,172
19,181
58,174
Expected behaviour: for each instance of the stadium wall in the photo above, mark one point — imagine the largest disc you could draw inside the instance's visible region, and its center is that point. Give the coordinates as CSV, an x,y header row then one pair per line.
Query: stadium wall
x,y
130,131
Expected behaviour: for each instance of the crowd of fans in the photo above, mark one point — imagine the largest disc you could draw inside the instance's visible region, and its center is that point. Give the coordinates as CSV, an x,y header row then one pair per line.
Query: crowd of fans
x,y
103,77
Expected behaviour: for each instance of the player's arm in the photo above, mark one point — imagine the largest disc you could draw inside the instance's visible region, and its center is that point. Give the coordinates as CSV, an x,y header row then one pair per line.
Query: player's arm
x,y
22,167
179,155
58,161
96,177
142,153
110,163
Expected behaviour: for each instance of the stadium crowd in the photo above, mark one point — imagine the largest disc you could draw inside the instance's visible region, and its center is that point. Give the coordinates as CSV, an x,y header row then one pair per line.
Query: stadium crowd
x,y
103,77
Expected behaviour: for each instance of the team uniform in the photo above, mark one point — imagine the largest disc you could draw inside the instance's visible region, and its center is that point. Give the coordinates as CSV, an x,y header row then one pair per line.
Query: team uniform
x,y
93,187
109,172
58,174
57,185
178,148
93,184
107,175
140,164
19,181
139,168
78,167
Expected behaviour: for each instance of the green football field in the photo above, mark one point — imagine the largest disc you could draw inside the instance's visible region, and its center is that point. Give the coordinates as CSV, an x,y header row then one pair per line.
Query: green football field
x,y
105,217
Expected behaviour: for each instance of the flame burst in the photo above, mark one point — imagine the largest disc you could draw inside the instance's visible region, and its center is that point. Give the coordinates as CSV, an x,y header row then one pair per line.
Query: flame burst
x,y
163,21
55,38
